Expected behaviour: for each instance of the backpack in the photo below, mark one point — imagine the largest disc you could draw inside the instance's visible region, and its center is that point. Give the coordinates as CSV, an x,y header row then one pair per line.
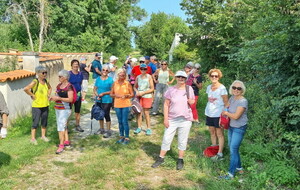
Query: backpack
x,y
96,113
36,86
211,151
136,106
73,89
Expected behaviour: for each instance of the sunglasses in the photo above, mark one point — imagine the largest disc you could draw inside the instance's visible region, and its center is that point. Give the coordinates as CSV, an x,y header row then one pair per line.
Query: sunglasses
x,y
143,69
44,72
142,61
164,64
105,70
236,88
214,76
181,77
60,76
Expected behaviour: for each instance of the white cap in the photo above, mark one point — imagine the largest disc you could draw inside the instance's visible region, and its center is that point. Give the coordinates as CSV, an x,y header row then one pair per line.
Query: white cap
x,y
142,59
197,65
134,60
113,58
181,74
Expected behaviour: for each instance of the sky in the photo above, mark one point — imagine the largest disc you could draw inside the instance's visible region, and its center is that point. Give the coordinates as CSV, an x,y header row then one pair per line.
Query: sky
x,y
155,6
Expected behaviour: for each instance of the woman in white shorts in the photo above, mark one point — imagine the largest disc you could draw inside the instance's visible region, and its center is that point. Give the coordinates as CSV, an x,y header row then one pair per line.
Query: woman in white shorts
x,y
63,103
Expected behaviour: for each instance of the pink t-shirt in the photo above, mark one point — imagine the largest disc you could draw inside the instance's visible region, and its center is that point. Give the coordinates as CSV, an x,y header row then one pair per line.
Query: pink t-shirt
x,y
178,103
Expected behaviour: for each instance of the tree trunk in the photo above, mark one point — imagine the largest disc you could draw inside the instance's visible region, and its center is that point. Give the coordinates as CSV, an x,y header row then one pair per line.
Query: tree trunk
x,y
42,24
24,17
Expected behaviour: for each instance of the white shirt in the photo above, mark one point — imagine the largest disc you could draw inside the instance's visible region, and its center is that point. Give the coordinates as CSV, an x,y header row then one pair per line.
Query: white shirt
x,y
215,104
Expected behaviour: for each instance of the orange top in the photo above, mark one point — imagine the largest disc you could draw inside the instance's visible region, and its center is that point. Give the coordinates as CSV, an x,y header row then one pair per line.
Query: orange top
x,y
121,89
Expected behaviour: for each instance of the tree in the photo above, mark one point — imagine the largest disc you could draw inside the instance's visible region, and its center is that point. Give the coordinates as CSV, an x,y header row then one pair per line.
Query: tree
x,y
156,36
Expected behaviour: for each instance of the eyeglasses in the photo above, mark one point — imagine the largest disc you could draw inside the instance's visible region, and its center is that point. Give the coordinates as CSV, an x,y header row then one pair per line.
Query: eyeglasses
x,y
236,88
214,76
181,77
105,70
143,69
44,72
60,76
122,75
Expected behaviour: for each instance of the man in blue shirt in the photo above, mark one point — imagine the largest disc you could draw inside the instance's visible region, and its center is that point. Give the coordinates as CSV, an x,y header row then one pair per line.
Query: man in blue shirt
x,y
150,62
96,66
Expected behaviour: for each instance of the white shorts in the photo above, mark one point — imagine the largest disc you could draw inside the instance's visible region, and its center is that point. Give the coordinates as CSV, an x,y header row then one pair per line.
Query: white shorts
x,y
183,127
84,86
62,117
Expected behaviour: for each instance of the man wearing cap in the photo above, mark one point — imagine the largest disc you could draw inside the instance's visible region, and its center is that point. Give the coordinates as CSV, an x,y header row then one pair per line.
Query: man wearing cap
x,y
84,69
96,66
112,66
136,69
151,63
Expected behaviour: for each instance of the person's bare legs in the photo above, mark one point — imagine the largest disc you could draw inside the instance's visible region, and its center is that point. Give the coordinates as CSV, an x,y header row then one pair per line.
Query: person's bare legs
x,y
147,117
43,131
139,120
220,135
33,132
77,118
213,136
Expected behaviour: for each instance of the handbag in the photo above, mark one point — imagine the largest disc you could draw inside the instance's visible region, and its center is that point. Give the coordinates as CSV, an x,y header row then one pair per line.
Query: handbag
x,y
211,151
136,106
224,121
97,113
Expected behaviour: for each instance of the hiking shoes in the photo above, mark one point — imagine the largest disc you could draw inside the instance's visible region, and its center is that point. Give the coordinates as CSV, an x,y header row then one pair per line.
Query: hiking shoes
x,y
154,113
120,141
217,158
107,134
138,130
79,129
45,139
100,132
126,142
158,162
60,149
148,132
179,164
34,142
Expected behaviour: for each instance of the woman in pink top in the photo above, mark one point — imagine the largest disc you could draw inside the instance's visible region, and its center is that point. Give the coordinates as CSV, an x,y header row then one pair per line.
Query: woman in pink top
x,y
177,117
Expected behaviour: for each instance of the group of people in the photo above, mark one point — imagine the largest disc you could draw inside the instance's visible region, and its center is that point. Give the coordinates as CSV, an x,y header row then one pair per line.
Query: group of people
x,y
148,82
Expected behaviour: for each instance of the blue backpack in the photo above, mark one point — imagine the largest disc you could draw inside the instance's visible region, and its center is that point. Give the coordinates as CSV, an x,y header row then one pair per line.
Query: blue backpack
x,y
96,113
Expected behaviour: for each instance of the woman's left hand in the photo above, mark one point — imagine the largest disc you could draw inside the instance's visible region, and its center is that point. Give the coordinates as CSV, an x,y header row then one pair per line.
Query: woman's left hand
x,y
191,101
225,113
54,98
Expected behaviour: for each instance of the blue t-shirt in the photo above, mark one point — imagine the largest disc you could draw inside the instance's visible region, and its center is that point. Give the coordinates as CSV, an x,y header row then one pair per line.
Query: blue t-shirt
x,y
104,86
76,80
96,64
152,66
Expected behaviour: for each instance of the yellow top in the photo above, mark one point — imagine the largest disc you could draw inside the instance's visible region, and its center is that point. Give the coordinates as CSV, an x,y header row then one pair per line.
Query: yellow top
x,y
41,96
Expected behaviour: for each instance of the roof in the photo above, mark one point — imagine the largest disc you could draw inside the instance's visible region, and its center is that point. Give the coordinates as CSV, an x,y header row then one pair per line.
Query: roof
x,y
15,75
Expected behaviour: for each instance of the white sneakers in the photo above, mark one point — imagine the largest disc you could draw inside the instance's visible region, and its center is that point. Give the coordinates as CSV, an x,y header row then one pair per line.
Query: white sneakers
x,y
3,132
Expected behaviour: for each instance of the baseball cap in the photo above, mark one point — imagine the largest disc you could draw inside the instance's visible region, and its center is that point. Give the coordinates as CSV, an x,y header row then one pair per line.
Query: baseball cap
x,y
83,59
189,65
134,60
113,58
142,59
197,65
143,65
181,74
98,55
147,57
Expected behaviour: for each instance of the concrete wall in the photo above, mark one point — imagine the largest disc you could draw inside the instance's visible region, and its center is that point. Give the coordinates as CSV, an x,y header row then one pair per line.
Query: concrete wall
x,y
18,102
53,67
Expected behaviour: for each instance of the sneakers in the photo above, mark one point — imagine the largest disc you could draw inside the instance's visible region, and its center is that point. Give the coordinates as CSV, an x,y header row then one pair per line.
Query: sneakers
x,y
148,132
138,130
45,139
60,149
120,141
84,101
179,164
100,132
67,144
34,142
107,134
226,177
126,142
158,162
154,113
3,132
217,158
79,129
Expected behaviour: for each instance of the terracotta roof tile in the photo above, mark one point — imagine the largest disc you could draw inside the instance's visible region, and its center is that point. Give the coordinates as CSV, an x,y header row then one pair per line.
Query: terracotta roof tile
x,y
15,75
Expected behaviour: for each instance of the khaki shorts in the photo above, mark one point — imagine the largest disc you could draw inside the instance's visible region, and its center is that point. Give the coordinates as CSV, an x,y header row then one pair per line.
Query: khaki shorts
x,y
84,86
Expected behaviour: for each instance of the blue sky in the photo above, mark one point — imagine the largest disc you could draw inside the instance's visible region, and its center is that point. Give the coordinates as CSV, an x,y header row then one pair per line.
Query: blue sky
x,y
167,6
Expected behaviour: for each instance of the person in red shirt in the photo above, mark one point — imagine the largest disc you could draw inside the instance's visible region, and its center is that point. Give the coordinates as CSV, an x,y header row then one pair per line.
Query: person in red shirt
x,y
136,69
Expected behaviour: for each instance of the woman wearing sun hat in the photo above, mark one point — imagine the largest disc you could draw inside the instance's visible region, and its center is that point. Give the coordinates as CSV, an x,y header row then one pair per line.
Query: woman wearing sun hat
x,y
177,117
